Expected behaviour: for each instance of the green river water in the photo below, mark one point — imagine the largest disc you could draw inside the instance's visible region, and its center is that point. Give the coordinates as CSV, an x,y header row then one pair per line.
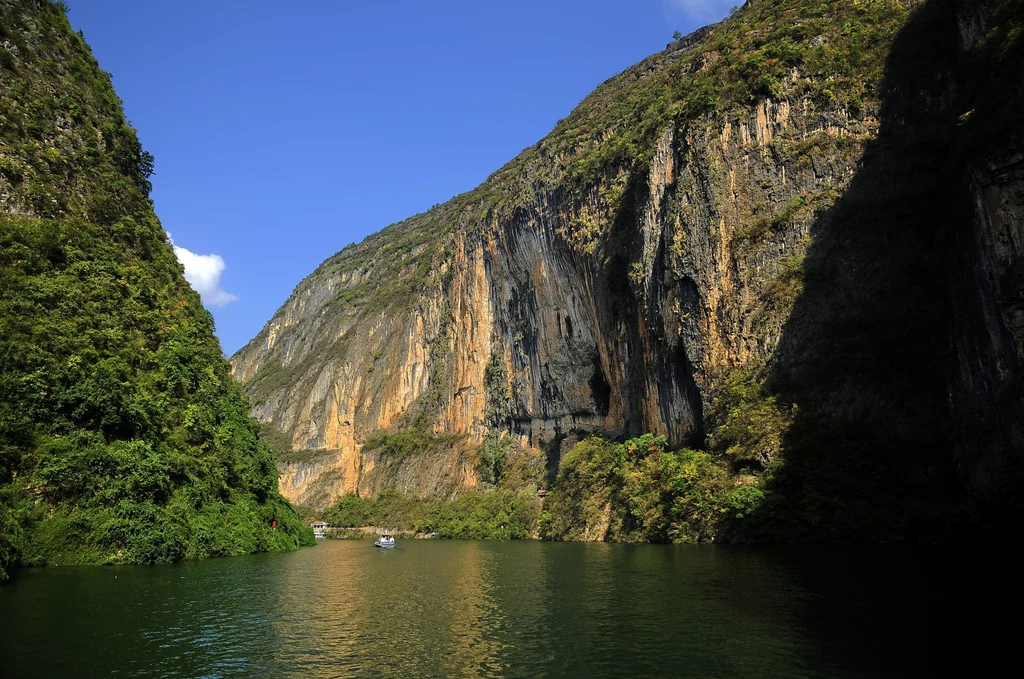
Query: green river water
x,y
507,609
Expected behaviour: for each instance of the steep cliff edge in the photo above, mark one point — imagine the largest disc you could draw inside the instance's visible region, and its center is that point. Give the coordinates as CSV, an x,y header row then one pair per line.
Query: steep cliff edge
x,y
123,438
750,242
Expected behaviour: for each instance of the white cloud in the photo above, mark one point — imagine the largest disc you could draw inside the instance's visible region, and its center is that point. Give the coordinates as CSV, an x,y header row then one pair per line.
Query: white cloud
x,y
203,273
702,10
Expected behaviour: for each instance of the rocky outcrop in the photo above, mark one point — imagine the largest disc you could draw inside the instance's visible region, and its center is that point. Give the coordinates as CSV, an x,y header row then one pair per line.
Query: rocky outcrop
x,y
546,308
525,332
694,217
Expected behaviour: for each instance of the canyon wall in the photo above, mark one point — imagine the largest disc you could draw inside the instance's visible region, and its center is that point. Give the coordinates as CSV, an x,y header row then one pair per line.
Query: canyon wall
x,y
756,241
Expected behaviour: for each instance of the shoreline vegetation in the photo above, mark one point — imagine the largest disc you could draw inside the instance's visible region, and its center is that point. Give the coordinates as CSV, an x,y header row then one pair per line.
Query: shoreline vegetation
x,y
635,491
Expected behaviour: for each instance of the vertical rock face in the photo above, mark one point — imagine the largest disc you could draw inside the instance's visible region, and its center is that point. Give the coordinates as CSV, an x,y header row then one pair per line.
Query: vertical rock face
x,y
549,306
760,198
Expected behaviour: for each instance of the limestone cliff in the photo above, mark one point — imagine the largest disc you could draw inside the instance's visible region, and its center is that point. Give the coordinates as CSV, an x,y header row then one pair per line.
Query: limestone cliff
x,y
747,241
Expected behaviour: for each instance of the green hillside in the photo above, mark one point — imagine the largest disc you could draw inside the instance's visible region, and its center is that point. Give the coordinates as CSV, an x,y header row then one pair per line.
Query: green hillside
x,y
122,436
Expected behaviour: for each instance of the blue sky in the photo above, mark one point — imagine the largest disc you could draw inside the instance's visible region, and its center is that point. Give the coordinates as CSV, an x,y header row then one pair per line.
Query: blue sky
x,y
284,131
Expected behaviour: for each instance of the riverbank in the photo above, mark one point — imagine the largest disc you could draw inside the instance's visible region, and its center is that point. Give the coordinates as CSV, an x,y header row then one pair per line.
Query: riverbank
x,y
635,491
501,514
371,532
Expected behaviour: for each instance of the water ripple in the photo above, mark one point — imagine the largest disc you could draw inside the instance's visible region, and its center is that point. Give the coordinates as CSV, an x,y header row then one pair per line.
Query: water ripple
x,y
484,609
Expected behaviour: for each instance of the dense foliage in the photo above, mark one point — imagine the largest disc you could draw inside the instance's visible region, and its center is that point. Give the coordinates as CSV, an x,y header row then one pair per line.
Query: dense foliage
x,y
636,491
500,514
639,491
401,444
122,436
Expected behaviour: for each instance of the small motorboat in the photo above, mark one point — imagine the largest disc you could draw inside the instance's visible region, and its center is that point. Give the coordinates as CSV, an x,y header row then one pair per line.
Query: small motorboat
x,y
385,541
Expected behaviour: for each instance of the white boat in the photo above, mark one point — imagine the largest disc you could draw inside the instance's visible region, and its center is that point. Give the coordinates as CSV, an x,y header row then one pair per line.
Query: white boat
x,y
385,541
319,529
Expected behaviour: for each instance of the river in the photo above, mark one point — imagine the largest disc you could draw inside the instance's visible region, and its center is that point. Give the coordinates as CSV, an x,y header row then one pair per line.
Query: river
x,y
435,608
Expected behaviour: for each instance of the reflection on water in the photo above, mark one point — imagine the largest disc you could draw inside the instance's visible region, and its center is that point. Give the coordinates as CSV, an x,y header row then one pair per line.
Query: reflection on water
x,y
526,609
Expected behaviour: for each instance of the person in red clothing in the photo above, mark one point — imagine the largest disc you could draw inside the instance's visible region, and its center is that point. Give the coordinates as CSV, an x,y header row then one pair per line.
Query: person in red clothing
x,y
274,524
